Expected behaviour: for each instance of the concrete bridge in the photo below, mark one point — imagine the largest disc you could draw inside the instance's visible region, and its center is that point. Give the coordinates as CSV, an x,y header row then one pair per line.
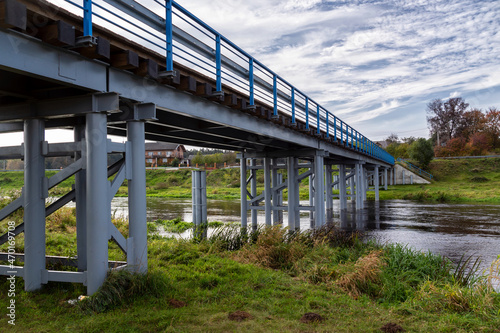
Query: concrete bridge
x,y
115,67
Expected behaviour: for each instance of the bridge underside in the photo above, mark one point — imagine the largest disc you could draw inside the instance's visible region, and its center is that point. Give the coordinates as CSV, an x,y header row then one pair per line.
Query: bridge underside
x,y
45,86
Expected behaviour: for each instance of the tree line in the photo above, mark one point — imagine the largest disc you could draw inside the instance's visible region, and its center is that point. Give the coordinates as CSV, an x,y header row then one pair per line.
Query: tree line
x,y
456,129
459,130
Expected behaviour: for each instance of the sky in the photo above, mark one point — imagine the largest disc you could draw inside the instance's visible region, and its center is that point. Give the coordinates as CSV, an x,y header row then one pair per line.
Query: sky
x,y
375,64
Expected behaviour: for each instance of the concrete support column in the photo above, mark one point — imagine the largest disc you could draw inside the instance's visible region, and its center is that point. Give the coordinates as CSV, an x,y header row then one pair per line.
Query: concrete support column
x,y
319,190
253,192
137,214
385,179
351,186
376,178
293,195
404,180
34,204
342,187
243,189
81,204
267,190
98,210
275,194
329,194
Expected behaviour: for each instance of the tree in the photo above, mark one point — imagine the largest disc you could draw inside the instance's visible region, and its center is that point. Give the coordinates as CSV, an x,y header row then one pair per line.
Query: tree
x,y
401,151
421,152
472,122
198,159
445,118
454,147
393,138
479,144
493,126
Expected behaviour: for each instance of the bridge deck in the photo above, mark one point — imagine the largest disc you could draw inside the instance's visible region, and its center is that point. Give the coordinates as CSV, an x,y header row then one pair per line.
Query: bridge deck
x,y
56,66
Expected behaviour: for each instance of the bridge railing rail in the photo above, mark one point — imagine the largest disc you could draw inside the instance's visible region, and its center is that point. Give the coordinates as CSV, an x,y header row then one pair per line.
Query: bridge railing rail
x,y
415,168
168,28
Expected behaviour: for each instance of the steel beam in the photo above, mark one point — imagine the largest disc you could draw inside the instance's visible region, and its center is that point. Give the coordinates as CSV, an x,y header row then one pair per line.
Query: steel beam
x,y
74,105
293,195
329,194
81,201
385,179
275,192
342,187
376,178
22,53
137,192
311,194
319,190
267,190
243,189
98,213
34,204
253,191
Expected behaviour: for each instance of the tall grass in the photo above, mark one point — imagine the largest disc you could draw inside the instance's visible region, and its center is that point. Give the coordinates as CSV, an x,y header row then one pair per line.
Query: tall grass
x,y
123,286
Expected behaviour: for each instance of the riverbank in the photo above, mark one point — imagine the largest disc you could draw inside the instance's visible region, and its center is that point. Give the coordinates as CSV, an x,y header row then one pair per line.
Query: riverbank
x,y
455,181
270,282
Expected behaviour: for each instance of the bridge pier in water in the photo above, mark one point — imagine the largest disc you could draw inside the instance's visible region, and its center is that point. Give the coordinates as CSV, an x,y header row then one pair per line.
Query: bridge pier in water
x,y
325,176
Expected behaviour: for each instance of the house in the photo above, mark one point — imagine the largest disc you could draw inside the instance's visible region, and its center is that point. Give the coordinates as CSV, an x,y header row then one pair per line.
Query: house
x,y
163,153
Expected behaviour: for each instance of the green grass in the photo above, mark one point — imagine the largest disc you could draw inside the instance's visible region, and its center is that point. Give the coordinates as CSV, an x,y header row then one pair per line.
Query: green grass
x,y
273,275
456,181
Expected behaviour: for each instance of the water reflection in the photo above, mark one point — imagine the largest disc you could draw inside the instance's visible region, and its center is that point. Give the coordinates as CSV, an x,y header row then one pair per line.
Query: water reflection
x,y
450,230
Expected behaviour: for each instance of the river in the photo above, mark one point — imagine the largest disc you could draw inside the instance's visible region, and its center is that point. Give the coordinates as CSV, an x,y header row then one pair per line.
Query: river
x,y
447,229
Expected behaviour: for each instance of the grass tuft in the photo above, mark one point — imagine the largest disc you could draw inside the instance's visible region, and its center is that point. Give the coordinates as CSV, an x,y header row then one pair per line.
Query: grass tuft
x,y
123,286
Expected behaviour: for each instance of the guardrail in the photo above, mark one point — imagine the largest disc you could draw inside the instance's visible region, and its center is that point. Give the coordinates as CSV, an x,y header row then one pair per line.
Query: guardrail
x,y
414,168
193,43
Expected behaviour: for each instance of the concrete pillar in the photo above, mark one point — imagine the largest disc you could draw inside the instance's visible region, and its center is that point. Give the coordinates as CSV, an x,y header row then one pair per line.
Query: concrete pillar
x,y
293,195
243,189
329,194
253,192
34,204
137,214
411,179
267,190
275,194
98,204
385,179
404,181
376,178
342,187
319,190
81,204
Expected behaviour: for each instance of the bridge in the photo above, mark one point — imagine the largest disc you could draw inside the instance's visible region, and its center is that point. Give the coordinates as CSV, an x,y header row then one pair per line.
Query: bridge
x,y
156,72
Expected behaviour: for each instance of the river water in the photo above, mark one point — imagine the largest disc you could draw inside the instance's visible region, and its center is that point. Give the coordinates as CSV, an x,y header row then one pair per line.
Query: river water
x,y
447,229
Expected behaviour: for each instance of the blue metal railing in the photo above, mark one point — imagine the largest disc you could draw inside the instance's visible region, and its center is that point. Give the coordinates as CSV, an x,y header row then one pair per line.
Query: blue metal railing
x,y
181,35
414,168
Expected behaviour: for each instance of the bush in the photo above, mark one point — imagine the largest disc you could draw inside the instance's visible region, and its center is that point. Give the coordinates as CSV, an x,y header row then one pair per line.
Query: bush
x,y
421,152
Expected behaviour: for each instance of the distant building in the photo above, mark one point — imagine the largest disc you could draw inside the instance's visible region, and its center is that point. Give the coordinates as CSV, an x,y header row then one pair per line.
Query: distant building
x,y
163,154
382,144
